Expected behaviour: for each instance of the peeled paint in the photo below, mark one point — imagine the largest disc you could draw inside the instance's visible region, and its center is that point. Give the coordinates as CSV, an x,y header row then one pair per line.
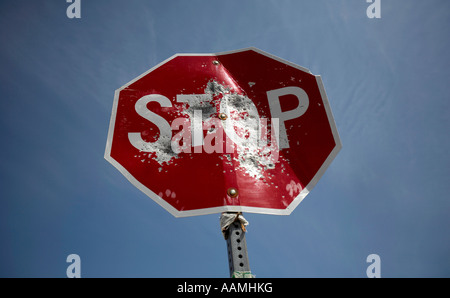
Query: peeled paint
x,y
243,126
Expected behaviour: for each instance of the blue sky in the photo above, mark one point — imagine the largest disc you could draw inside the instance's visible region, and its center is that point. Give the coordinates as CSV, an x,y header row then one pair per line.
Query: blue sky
x,y
386,193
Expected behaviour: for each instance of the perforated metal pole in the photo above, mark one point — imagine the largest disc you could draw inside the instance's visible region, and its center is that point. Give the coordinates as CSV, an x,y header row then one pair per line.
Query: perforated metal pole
x,y
237,251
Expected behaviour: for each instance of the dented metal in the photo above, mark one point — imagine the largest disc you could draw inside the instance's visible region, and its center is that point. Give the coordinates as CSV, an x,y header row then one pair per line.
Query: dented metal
x,y
252,122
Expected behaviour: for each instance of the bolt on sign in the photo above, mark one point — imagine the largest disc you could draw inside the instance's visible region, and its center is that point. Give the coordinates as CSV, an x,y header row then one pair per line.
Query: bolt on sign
x,y
238,131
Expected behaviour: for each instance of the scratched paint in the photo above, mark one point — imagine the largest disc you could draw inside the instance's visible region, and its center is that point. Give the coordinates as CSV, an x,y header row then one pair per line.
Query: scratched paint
x,y
243,125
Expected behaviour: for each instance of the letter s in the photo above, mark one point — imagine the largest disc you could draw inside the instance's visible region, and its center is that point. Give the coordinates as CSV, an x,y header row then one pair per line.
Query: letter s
x,y
165,132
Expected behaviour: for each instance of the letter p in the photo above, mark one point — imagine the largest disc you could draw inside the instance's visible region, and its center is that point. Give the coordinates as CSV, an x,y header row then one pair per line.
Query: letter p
x,y
275,109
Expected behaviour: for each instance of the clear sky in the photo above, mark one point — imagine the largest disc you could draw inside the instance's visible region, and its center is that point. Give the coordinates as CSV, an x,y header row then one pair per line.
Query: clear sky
x,y
386,193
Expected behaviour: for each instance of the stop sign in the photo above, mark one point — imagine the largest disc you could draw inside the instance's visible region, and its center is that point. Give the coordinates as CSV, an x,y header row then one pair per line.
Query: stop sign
x,y
241,131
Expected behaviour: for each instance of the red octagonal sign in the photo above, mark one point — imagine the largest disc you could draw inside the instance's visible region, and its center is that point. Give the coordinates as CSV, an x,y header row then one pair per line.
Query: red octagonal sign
x,y
233,131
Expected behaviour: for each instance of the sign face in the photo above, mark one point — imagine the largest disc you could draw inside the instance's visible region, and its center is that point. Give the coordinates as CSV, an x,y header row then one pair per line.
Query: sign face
x,y
239,131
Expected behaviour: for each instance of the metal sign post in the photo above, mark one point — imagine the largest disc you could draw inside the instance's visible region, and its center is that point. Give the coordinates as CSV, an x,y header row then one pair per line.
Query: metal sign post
x,y
234,234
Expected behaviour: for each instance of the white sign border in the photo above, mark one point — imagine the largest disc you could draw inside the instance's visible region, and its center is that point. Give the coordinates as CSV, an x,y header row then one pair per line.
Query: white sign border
x,y
220,209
